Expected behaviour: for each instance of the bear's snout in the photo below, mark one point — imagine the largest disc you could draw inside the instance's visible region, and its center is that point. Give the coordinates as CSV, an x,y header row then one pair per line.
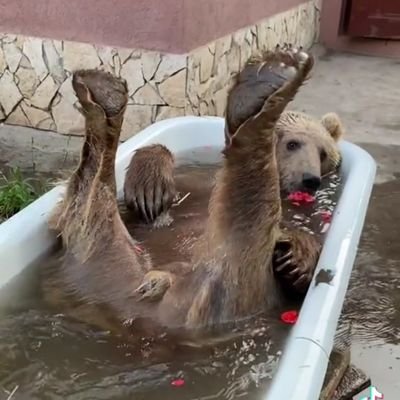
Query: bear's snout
x,y
311,182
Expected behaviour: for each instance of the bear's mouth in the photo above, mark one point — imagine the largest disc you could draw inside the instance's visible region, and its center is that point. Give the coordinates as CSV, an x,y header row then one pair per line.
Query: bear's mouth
x,y
312,192
298,188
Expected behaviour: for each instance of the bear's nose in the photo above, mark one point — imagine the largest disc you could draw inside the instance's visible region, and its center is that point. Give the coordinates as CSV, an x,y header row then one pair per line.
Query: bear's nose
x,y
311,182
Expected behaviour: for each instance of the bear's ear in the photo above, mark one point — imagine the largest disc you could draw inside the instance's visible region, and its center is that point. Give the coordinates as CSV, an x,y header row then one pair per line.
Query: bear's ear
x,y
333,125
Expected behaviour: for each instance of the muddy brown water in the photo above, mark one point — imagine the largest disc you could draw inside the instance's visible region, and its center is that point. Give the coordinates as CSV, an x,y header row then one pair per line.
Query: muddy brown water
x,y
45,355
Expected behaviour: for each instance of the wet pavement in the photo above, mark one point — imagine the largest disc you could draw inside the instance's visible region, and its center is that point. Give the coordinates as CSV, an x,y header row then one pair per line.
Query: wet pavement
x,y
373,299
364,92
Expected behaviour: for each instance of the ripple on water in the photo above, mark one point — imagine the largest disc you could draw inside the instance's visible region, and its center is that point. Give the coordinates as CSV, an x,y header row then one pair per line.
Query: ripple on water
x,y
52,357
372,303
309,217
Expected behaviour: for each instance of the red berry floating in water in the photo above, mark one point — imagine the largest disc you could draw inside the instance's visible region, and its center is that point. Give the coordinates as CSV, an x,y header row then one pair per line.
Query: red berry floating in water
x,y
289,317
178,382
326,216
301,197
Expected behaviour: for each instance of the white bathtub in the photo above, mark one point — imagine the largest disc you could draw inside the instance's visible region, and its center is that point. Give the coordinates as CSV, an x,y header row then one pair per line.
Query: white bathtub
x,y
24,239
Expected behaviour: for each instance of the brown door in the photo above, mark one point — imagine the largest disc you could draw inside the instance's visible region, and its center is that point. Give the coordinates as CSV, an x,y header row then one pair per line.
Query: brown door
x,y
374,18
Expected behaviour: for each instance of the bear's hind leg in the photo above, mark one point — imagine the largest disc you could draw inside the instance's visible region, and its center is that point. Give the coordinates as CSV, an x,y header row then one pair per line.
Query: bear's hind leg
x,y
103,98
90,202
79,184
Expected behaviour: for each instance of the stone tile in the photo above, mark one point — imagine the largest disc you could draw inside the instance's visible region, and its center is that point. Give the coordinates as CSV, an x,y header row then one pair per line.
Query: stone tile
x,y
245,53
170,64
204,109
20,42
219,101
190,109
8,38
255,46
207,88
106,54
126,54
12,55
248,36
117,65
172,90
25,63
66,117
10,96
192,85
206,63
164,112
223,72
3,63
150,62
233,58
17,117
53,62
47,124
268,38
33,50
56,100
36,117
222,46
239,36
136,118
147,95
27,81
211,108
80,55
132,72
66,90
59,45
44,93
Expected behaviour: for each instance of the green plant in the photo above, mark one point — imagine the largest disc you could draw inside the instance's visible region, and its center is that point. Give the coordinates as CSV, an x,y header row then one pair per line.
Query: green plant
x,y
16,193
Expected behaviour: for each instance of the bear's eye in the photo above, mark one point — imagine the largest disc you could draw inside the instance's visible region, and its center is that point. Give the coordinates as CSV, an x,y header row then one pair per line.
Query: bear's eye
x,y
293,145
323,155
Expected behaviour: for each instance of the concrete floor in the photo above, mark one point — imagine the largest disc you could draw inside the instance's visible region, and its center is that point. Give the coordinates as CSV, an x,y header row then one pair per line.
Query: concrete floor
x,y
365,92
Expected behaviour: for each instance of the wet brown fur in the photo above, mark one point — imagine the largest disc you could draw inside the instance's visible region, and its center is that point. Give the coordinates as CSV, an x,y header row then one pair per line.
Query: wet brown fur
x,y
230,276
149,180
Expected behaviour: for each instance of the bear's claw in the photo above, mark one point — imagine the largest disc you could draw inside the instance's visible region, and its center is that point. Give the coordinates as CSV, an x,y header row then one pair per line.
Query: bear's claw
x,y
154,286
281,70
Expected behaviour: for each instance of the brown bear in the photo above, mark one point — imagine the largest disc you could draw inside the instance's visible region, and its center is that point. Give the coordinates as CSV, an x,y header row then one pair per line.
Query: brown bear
x,y
306,151
230,275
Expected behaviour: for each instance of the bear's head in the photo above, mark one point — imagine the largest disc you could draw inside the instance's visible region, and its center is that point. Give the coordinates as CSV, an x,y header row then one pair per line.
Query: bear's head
x,y
306,150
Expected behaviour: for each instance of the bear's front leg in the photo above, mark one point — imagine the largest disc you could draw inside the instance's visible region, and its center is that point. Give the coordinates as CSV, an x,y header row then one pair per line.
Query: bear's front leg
x,y
295,258
149,187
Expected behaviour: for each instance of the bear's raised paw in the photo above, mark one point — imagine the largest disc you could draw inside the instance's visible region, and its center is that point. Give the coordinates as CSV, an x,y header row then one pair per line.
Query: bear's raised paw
x,y
95,88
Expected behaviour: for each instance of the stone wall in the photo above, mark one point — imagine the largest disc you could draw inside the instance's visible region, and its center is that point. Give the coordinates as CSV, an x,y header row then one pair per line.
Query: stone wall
x,y
35,74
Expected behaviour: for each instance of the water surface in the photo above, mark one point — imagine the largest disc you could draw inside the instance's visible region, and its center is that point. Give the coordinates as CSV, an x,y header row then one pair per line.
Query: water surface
x,y
45,355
